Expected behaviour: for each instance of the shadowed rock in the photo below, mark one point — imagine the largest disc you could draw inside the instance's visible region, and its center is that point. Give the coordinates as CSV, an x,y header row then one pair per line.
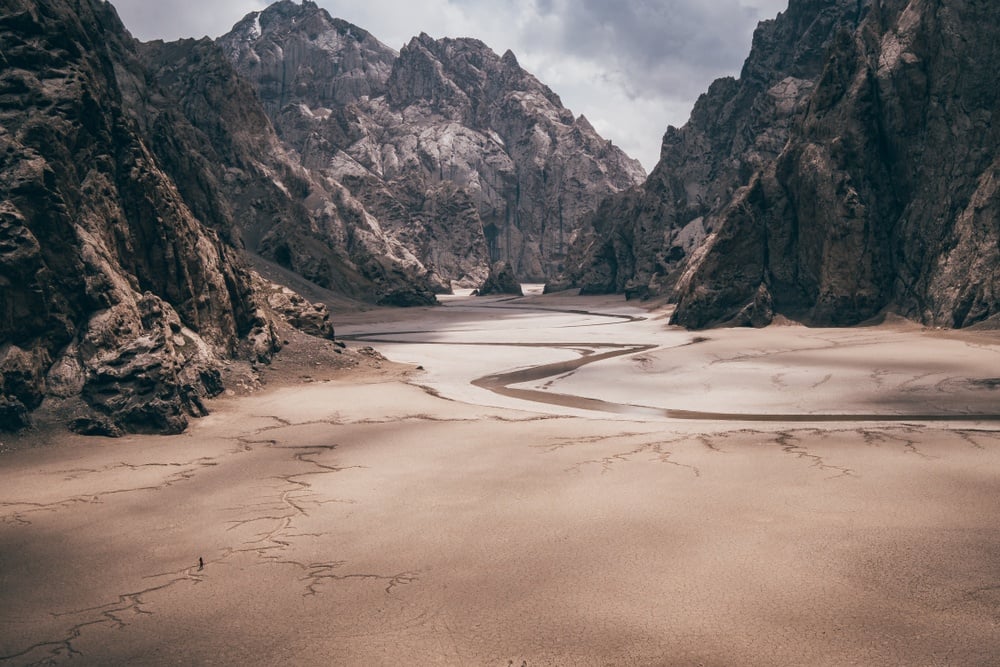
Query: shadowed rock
x,y
113,290
850,170
501,281
886,196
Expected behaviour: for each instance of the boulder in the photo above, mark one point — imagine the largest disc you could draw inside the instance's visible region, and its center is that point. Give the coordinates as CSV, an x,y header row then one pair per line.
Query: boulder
x,y
501,281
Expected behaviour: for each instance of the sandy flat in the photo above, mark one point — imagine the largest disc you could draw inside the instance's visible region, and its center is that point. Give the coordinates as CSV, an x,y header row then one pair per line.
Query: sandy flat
x,y
543,517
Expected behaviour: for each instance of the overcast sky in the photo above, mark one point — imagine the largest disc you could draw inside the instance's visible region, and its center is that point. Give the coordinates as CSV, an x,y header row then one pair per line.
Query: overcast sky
x,y
633,67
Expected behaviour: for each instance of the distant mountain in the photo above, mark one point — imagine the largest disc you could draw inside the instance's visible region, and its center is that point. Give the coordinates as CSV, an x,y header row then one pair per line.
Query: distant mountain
x,y
851,169
460,154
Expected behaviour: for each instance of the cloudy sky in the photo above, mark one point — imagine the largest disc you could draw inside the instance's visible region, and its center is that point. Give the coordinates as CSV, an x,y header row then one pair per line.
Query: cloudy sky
x,y
633,67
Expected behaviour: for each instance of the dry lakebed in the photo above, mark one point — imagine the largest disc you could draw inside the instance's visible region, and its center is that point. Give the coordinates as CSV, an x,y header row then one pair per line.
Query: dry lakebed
x,y
548,480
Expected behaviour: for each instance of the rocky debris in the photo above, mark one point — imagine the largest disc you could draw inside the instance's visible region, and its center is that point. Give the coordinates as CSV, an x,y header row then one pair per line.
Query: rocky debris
x,y
639,241
113,291
886,195
307,317
153,379
459,154
501,281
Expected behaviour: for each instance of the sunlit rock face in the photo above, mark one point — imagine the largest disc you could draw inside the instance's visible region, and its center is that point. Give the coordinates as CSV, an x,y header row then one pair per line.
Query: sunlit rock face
x,y
113,289
886,195
459,153
638,241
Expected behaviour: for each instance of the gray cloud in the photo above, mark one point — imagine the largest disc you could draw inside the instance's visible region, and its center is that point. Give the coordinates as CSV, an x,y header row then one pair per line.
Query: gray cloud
x,y
632,66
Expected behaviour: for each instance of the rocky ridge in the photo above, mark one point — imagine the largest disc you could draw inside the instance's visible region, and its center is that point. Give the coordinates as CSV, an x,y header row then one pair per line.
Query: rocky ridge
x,y
638,241
287,213
849,171
886,195
460,154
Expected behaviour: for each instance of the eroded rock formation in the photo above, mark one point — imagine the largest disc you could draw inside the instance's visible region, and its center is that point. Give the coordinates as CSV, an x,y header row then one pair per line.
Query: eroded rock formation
x,y
851,169
460,154
112,289
501,280
886,195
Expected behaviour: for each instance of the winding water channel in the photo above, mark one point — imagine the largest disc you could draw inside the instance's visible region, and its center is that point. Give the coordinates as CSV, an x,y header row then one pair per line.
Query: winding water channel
x,y
505,346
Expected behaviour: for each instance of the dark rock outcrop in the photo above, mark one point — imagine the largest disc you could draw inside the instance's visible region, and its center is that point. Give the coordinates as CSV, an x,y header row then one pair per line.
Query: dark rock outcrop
x,y
850,170
886,195
308,317
501,281
638,241
460,154
112,288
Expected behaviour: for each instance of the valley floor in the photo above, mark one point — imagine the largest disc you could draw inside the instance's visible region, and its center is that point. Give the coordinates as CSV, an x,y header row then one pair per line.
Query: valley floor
x,y
551,481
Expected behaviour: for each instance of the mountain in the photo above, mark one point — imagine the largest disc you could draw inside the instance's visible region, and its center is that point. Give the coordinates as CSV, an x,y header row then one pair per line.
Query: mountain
x,y
850,170
639,240
886,195
124,295
459,153
289,214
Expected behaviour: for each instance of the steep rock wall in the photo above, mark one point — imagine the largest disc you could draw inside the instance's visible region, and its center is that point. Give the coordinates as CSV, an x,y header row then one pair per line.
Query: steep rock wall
x,y
885,196
111,288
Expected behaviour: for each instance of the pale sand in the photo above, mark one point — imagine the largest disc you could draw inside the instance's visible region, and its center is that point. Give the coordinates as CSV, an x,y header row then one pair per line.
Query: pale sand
x,y
363,520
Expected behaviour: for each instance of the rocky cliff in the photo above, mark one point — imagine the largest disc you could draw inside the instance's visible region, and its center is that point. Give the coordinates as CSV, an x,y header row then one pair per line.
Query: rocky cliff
x,y
287,213
460,154
121,289
886,194
638,241
851,169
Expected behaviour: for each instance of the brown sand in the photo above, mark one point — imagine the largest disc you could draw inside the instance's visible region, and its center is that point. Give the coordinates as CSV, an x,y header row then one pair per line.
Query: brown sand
x,y
348,516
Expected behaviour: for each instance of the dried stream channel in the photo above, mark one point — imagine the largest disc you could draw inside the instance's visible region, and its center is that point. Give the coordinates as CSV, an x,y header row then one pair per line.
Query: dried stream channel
x,y
393,517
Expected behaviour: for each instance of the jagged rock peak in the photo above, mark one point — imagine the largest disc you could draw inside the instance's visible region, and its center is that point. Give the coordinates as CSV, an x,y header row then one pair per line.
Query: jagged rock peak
x,y
454,151
639,242
438,69
300,52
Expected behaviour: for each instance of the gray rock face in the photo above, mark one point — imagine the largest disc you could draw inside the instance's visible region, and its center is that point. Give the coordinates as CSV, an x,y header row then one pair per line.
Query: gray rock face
x,y
461,155
111,287
885,196
639,240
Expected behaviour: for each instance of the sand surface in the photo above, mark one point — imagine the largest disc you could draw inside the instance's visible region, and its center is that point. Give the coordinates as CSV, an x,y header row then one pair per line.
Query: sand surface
x,y
565,481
